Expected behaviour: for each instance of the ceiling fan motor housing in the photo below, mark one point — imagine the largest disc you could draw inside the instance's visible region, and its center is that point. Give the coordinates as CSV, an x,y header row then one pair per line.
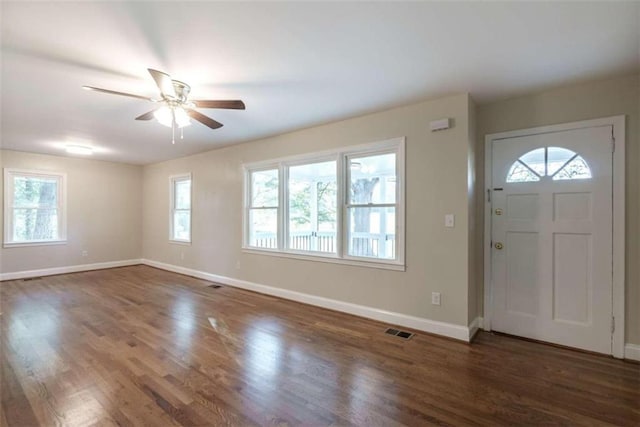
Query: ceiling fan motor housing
x,y
182,90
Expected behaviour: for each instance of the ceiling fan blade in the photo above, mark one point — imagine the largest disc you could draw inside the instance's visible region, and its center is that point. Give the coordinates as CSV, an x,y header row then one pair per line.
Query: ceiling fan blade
x,y
146,116
164,82
113,92
207,121
229,104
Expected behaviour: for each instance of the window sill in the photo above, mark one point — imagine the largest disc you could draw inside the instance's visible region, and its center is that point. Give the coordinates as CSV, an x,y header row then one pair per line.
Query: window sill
x,y
388,265
38,243
180,242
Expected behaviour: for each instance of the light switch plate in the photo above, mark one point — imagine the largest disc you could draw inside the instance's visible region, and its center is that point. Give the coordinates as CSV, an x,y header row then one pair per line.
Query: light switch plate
x,y
435,298
449,220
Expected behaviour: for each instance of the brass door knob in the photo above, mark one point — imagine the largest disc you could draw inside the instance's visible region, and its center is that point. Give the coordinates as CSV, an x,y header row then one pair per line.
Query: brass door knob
x,y
498,245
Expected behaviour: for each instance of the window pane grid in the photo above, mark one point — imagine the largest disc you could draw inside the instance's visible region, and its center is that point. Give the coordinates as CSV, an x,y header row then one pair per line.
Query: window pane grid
x,y
332,208
556,163
371,205
33,207
263,208
312,193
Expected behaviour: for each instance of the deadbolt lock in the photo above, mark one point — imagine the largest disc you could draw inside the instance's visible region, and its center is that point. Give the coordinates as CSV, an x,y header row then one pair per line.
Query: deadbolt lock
x,y
498,211
498,245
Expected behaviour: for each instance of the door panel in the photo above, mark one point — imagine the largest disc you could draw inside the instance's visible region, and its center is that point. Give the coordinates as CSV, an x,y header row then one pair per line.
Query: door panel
x,y
572,285
551,232
571,206
522,263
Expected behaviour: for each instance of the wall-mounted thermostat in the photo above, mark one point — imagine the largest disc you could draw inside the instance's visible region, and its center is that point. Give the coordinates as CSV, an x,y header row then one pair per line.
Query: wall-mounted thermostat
x,y
441,124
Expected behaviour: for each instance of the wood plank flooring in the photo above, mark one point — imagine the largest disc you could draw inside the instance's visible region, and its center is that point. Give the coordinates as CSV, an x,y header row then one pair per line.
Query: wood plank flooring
x,y
139,346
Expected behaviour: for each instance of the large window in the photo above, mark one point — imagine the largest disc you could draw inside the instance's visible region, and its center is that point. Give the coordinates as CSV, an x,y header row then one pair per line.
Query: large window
x,y
180,208
34,207
343,206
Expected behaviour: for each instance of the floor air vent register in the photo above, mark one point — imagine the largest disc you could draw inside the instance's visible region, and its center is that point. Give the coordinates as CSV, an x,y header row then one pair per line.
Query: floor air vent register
x,y
401,334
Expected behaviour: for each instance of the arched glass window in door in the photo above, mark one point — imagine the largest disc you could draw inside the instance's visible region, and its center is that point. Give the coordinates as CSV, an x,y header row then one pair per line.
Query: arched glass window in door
x,y
555,162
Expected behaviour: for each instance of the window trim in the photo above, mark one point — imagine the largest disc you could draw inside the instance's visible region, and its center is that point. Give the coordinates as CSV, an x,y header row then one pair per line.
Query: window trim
x,y
61,177
340,155
172,210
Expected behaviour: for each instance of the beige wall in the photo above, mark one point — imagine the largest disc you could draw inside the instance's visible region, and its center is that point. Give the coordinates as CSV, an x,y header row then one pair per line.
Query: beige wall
x,y
106,201
103,213
437,258
620,96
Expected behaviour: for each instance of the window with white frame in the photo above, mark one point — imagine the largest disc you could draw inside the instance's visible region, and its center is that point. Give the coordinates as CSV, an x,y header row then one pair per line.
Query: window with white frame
x,y
34,207
263,208
181,208
341,206
371,205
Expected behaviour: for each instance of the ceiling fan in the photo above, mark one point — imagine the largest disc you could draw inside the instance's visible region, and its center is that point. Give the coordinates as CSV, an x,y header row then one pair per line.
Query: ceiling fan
x,y
175,109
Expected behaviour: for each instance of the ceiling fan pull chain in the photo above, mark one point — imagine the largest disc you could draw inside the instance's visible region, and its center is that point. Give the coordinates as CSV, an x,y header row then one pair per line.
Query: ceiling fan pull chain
x,y
182,133
173,131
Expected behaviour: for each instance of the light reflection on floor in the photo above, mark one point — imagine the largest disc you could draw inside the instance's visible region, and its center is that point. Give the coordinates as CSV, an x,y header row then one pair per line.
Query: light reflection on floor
x,y
184,319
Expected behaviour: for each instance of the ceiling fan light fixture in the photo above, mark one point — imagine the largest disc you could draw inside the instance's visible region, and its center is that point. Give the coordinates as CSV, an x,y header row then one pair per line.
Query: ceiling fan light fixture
x,y
182,118
78,149
166,115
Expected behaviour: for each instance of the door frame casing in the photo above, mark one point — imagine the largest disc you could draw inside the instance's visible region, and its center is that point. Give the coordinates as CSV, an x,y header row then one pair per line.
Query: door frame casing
x,y
618,217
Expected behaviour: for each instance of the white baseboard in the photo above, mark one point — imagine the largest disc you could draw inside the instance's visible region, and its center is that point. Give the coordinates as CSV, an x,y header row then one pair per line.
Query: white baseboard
x,y
632,352
475,326
68,269
432,326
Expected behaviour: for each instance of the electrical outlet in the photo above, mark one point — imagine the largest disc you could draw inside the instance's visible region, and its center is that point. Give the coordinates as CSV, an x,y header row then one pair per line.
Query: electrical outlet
x,y
449,221
435,298
85,253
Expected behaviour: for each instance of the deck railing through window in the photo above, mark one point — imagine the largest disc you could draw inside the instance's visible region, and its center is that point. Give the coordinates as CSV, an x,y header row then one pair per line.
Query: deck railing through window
x,y
362,244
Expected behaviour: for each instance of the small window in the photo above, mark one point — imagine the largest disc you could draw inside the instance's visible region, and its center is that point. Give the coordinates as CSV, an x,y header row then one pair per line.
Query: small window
x,y
555,162
34,208
181,208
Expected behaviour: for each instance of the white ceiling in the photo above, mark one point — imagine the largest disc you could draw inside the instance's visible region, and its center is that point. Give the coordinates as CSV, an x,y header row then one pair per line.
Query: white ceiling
x,y
294,64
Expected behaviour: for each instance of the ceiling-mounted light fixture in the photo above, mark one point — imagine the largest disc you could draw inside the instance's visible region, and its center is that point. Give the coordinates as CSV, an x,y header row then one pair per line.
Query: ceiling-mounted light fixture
x,y
166,116
78,149
175,109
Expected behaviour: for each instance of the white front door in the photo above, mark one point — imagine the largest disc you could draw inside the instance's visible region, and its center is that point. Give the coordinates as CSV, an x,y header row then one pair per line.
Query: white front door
x,y
551,208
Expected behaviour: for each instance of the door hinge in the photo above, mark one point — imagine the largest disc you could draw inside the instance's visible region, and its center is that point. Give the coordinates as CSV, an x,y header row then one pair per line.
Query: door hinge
x,y
613,145
613,324
489,195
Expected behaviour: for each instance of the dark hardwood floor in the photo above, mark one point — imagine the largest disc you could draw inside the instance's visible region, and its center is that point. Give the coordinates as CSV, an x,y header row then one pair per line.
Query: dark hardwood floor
x,y
141,346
